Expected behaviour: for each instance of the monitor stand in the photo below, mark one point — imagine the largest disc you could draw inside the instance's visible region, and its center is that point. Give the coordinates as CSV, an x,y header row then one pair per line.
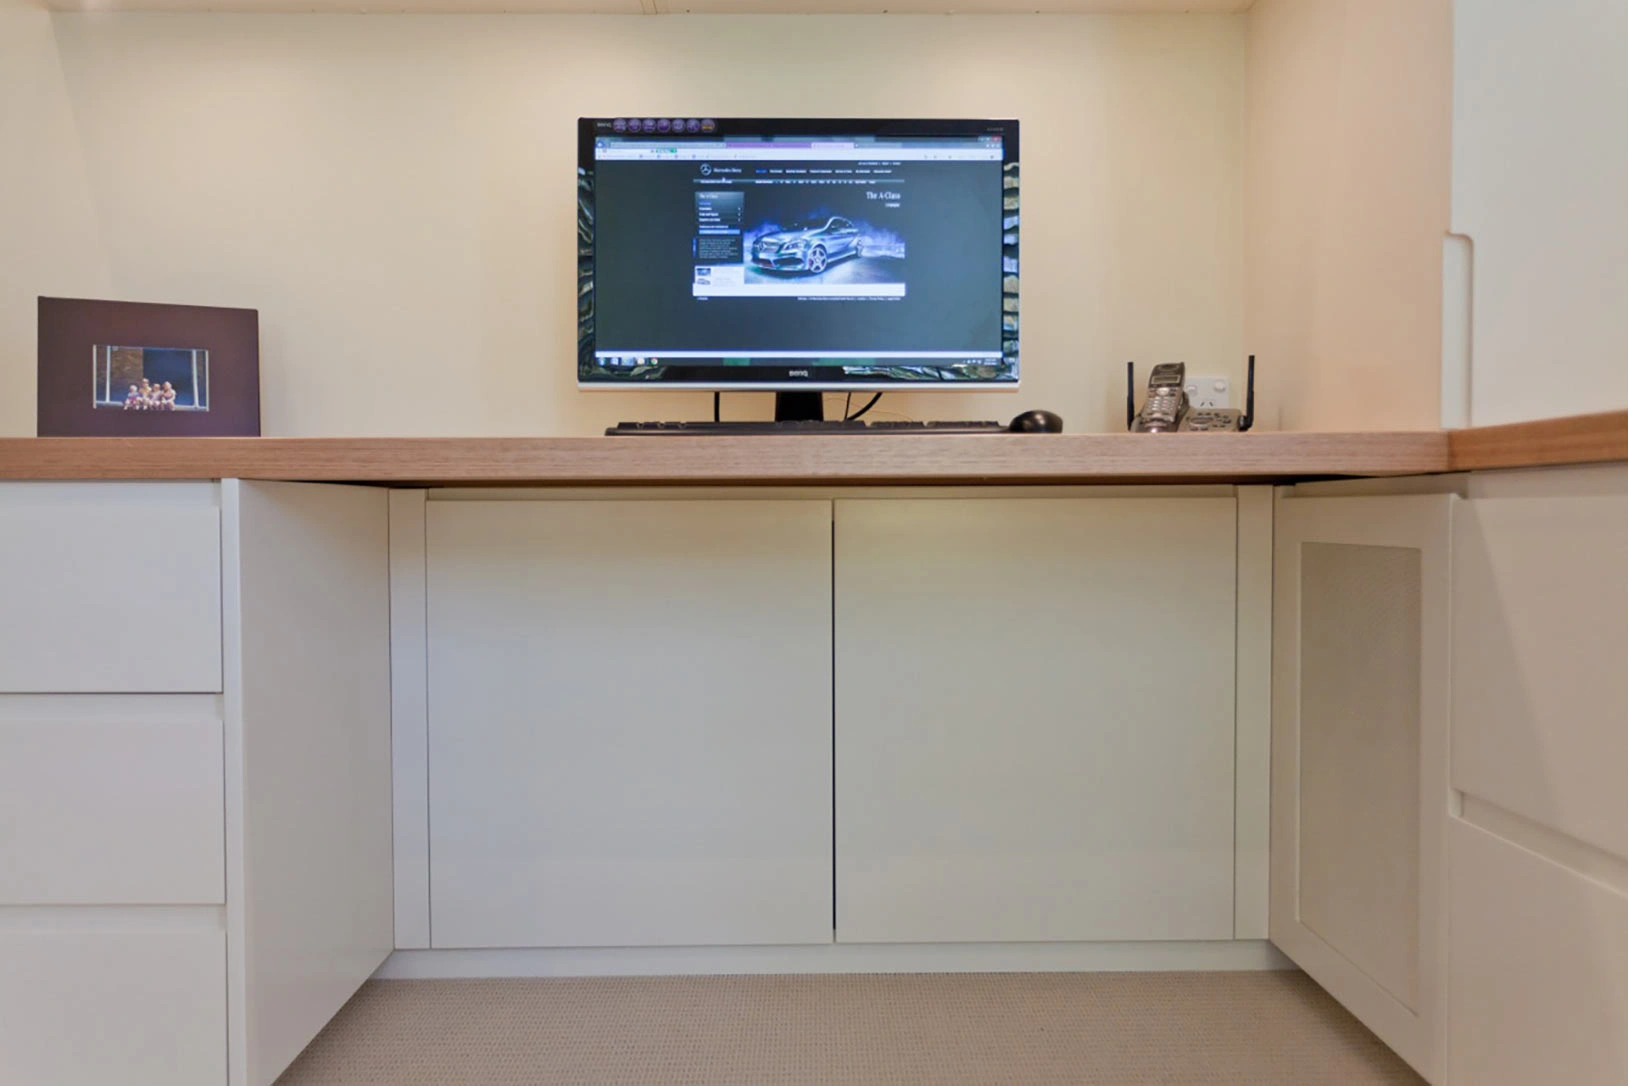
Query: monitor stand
x,y
799,407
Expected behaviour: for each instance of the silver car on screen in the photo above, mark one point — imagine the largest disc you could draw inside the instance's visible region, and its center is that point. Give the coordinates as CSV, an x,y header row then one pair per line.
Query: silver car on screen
x,y
808,247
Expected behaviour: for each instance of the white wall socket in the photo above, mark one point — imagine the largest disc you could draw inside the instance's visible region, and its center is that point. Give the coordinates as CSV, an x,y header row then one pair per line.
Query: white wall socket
x,y
1209,391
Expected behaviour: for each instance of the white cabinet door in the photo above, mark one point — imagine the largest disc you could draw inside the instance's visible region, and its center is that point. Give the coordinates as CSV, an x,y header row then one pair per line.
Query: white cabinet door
x,y
89,1002
1540,643
630,722
1035,719
110,588
1359,757
1539,891
1539,980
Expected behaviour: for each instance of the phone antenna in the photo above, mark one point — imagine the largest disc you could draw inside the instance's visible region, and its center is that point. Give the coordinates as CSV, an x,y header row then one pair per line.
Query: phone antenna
x,y
1248,419
1130,395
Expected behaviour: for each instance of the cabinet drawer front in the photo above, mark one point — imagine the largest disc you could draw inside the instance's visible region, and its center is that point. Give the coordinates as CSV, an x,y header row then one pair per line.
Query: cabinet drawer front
x,y
1539,968
137,1007
111,588
103,809
1540,696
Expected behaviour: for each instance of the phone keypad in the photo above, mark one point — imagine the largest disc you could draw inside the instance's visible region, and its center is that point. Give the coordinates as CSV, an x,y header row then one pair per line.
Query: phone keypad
x,y
1163,403
1210,420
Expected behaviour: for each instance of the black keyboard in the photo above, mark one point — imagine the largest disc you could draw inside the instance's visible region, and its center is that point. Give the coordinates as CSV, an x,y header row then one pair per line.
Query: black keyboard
x,y
825,426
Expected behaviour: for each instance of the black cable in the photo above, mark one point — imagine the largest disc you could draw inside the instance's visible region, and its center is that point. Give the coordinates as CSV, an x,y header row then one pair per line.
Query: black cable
x,y
861,412
717,397
847,405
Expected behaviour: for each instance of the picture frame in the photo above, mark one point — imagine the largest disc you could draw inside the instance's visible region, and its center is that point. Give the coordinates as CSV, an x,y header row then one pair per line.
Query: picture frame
x,y
138,369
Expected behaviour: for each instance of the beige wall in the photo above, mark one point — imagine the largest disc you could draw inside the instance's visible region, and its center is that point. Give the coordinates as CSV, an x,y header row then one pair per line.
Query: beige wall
x,y
394,193
1347,182
48,228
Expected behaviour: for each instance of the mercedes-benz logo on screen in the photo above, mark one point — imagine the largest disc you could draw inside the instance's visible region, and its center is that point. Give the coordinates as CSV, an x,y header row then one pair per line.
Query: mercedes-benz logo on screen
x,y
706,168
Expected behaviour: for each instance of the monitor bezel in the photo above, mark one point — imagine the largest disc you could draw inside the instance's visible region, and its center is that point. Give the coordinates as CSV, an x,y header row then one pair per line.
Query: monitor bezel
x,y
765,376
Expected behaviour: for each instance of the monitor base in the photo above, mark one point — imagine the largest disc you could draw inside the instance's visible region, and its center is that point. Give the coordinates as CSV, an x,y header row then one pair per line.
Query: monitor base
x,y
799,407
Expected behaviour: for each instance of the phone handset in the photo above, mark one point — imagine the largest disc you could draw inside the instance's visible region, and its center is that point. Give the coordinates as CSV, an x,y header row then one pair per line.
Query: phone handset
x,y
1166,402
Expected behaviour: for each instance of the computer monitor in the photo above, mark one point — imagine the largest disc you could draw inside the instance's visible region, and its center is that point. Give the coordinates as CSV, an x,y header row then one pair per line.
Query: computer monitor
x,y
797,256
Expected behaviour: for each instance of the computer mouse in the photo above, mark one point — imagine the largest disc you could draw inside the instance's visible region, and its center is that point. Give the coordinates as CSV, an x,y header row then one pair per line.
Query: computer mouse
x,y
1037,422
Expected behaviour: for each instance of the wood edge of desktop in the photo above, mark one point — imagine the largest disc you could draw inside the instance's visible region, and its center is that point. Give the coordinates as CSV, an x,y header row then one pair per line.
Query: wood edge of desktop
x,y
834,460
992,459
1575,439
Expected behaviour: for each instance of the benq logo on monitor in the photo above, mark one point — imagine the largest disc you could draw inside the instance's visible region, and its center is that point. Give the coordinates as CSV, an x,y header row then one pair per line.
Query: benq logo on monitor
x,y
796,373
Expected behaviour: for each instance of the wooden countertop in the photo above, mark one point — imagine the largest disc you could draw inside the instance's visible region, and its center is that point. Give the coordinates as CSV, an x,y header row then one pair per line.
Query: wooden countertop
x,y
1578,439
847,459
765,460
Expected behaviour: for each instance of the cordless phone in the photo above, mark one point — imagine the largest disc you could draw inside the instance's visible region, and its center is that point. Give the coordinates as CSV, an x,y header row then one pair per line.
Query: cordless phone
x,y
1167,409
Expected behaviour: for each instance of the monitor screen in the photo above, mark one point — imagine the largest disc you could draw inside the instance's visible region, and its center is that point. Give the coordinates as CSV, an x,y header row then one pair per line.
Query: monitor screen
x,y
797,254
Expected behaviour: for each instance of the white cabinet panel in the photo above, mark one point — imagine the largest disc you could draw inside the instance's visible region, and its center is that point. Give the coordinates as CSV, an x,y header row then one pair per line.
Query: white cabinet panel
x,y
1540,163
1035,719
1539,964
113,804
409,722
1540,638
308,756
110,588
93,1007
1539,969
630,722
1359,757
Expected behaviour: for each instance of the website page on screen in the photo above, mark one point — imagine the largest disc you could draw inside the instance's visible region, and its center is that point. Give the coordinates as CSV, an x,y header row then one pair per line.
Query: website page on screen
x,y
829,251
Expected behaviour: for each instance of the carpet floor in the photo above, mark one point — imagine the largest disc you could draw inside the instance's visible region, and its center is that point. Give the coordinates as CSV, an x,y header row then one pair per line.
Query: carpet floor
x,y
1116,1029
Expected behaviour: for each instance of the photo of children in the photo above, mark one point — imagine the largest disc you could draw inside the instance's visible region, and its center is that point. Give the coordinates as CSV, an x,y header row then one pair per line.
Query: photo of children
x,y
156,370
150,378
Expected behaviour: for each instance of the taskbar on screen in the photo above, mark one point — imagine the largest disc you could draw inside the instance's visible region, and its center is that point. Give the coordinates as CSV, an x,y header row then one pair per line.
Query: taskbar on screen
x,y
769,369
